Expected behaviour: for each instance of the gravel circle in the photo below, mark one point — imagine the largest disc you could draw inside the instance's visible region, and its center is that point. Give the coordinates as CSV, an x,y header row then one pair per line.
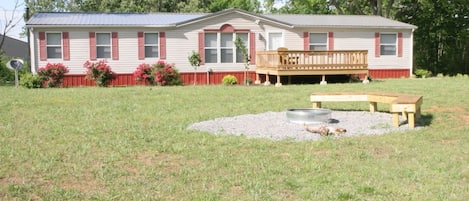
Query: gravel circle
x,y
275,125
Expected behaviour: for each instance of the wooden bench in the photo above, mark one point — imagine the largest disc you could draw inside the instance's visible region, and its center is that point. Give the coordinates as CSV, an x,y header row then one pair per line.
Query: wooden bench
x,y
407,105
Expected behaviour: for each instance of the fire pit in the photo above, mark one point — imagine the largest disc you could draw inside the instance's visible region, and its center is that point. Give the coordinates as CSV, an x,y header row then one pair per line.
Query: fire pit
x,y
308,115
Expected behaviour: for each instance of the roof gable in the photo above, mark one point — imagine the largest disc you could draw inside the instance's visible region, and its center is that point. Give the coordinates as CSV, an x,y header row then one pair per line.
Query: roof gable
x,y
236,11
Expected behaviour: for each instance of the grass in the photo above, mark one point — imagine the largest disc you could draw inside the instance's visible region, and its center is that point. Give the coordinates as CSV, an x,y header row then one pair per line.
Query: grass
x,y
131,143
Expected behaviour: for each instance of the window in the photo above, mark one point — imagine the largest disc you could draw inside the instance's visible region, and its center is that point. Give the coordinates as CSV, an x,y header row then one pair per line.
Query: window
x,y
239,54
318,41
103,45
388,44
275,40
226,47
54,45
151,45
221,47
211,48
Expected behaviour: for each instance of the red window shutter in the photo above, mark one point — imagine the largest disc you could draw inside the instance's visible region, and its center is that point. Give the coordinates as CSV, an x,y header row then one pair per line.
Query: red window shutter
x,y
115,46
92,46
331,40
377,45
42,46
252,47
162,45
399,44
201,47
66,46
306,40
141,46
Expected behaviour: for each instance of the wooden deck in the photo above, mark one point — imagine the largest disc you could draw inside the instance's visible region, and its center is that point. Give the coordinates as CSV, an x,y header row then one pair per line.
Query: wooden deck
x,y
284,62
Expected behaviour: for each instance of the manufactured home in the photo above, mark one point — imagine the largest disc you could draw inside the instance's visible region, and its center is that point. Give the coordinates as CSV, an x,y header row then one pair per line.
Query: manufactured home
x,y
280,45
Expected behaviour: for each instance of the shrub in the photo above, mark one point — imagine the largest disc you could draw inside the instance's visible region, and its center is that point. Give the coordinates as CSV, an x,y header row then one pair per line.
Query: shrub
x,y
29,80
52,74
100,72
161,73
6,74
422,73
229,80
144,72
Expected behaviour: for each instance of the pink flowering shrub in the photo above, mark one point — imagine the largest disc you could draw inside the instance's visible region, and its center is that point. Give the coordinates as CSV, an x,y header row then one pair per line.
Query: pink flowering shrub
x,y
144,72
100,72
161,73
52,74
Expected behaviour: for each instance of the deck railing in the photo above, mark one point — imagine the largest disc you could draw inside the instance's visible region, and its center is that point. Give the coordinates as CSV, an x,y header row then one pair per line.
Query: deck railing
x,y
283,62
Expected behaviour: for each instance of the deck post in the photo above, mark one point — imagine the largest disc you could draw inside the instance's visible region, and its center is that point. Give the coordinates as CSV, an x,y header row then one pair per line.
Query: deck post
x,y
278,83
267,80
323,82
258,80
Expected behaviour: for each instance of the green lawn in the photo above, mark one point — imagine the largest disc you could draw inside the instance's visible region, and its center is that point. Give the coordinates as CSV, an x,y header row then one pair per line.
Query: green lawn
x,y
131,143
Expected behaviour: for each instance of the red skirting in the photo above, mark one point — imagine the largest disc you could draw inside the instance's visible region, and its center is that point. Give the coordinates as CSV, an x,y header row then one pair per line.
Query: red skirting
x,y
204,78
187,79
389,73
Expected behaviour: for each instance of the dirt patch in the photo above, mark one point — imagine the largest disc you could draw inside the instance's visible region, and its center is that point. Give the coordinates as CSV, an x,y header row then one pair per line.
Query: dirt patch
x,y
460,114
86,183
435,108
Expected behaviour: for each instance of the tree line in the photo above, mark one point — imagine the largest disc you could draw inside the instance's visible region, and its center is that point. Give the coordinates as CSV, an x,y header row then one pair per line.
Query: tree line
x,y
441,42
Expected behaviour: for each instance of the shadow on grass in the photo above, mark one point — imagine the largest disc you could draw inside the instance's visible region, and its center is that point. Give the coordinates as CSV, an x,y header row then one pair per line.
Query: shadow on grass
x,y
424,120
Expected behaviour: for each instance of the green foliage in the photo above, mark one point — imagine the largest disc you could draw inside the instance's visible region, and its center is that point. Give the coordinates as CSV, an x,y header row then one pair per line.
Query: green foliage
x,y
229,80
6,74
241,46
100,72
422,73
166,74
194,59
304,7
29,81
442,38
160,73
52,74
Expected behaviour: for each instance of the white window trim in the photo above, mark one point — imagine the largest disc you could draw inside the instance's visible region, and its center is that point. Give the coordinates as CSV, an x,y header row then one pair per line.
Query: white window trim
x,y
327,40
219,48
395,44
110,45
268,38
150,45
61,45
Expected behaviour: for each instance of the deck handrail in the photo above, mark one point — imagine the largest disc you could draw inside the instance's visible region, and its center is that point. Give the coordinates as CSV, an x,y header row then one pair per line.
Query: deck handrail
x,y
307,60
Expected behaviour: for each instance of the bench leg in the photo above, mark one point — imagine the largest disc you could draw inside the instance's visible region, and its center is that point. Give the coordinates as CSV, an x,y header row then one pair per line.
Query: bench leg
x,y
373,107
316,104
411,119
404,114
395,119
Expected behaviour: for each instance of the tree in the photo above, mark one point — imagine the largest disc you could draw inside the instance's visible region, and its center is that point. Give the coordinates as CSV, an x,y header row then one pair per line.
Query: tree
x,y
194,60
10,20
241,46
305,7
385,8
248,5
441,41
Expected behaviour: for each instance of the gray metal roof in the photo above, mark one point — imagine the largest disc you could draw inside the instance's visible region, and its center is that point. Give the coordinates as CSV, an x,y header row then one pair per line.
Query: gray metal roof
x,y
62,19
348,21
109,19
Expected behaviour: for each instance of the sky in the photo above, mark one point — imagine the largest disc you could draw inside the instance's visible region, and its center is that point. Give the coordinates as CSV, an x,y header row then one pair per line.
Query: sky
x,y
6,11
